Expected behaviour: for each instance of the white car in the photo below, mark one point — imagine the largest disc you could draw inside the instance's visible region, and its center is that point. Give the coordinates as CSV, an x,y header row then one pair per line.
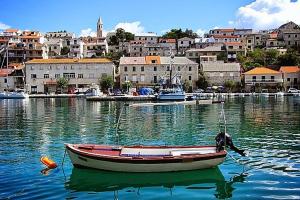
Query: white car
x,y
293,90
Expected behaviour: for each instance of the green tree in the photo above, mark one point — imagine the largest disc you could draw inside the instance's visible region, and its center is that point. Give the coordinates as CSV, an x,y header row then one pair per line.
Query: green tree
x,y
271,56
64,51
126,86
288,59
178,33
106,82
62,82
229,85
120,36
202,81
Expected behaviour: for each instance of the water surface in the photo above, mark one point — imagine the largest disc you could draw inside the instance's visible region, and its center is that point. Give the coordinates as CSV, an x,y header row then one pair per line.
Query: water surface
x,y
268,128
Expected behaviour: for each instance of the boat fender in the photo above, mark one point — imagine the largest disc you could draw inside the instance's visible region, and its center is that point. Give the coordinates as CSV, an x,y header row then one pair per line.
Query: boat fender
x,y
48,162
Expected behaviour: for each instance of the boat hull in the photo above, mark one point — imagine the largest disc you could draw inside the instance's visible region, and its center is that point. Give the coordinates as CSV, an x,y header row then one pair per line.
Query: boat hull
x,y
140,164
171,97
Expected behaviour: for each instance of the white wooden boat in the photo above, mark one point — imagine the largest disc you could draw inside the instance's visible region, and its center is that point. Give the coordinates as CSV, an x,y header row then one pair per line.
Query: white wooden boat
x,y
144,158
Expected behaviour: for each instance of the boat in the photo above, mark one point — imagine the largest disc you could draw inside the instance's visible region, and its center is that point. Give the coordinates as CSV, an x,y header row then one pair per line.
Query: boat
x,y
171,94
102,181
18,94
173,90
144,158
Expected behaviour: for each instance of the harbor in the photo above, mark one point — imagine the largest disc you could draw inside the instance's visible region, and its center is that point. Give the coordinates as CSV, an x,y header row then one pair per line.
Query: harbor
x,y
267,128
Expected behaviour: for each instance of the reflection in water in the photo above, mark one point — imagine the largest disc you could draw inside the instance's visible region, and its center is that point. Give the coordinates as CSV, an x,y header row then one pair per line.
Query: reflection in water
x,y
88,180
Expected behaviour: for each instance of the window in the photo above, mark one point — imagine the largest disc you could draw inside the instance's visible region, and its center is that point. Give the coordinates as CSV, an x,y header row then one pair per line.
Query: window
x,y
133,69
65,67
190,78
33,75
155,79
230,47
288,79
249,41
231,74
190,68
263,78
69,75
296,35
57,75
142,78
153,61
190,54
134,78
155,69
91,75
5,80
142,68
221,74
80,76
178,68
295,81
289,36
272,78
33,89
46,75
125,69
253,78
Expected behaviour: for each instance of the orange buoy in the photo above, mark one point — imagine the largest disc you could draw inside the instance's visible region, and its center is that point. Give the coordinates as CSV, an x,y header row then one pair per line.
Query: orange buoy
x,y
48,162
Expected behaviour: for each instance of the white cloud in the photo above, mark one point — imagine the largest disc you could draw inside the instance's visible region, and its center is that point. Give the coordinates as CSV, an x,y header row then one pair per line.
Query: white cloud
x,y
132,27
265,14
87,32
3,26
200,32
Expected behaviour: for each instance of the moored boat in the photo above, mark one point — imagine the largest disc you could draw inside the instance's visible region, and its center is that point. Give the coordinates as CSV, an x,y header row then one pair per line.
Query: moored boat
x,y
145,158
19,94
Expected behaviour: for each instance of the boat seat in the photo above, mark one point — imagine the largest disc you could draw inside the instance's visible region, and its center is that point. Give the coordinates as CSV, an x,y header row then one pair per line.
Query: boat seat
x,y
179,153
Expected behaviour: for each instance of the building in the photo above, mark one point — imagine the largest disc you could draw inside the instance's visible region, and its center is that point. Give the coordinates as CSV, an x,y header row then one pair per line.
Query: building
x,y
42,74
290,34
151,70
146,38
213,50
184,44
291,76
218,72
12,78
233,49
263,78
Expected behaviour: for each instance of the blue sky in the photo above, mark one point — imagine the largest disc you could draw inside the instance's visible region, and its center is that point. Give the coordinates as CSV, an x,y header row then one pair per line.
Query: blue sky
x,y
144,16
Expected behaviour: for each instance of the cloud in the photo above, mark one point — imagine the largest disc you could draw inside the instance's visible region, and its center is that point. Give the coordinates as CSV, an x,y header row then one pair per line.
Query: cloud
x,y
267,14
87,32
3,26
200,32
132,27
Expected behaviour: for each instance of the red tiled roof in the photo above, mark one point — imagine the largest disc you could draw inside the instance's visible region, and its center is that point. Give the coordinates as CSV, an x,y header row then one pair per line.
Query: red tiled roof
x,y
225,36
5,72
233,43
289,69
261,70
11,30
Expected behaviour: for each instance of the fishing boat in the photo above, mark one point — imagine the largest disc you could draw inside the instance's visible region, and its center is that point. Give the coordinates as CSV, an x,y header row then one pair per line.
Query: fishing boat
x,y
144,158
171,94
152,158
18,94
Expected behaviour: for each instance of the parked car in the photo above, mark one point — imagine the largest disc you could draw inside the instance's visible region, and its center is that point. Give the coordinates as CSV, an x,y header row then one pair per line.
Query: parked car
x,y
199,91
293,90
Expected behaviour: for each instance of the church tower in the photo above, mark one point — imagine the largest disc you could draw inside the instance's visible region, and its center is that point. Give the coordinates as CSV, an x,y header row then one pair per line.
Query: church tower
x,y
99,28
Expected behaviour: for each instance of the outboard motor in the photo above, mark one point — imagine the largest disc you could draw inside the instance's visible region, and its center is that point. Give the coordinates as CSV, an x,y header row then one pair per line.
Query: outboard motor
x,y
221,138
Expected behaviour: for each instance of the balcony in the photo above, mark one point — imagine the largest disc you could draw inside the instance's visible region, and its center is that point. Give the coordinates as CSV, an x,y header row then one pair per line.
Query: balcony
x,y
264,81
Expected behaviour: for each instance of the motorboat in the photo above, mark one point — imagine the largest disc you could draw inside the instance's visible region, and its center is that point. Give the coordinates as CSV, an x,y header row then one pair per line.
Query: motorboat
x,y
18,94
171,94
144,158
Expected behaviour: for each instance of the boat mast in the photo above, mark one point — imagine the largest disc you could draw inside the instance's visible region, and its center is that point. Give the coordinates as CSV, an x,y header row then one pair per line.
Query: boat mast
x,y
171,60
7,66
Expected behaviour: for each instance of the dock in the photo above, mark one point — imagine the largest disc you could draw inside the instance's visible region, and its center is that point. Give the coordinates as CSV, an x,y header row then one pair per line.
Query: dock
x,y
194,102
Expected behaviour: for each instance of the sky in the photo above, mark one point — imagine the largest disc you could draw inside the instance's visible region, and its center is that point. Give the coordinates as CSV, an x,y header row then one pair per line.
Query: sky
x,y
140,16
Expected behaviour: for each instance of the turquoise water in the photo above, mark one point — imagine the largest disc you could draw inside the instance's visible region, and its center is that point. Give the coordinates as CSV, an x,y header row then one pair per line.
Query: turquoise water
x,y
268,128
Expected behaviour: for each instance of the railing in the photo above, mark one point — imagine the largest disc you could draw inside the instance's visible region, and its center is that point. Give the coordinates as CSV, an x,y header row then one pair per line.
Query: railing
x,y
265,81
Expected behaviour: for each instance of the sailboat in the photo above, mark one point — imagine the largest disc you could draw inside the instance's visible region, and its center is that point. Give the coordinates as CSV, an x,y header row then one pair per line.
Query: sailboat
x,y
17,94
174,92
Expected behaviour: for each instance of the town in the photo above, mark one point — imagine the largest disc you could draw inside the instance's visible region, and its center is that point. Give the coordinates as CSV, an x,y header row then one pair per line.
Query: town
x,y
224,59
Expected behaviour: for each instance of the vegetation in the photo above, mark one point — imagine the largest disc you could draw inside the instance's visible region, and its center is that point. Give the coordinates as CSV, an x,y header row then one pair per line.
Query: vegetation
x,y
126,86
64,51
289,59
62,83
106,82
229,85
178,33
202,81
121,36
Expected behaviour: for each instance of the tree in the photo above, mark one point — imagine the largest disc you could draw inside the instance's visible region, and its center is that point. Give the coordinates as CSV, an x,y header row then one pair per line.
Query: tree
x,y
106,82
288,59
178,33
126,86
120,36
229,85
64,51
202,81
62,82
271,56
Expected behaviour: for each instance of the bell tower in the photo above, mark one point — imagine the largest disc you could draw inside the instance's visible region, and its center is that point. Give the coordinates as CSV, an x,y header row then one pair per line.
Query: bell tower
x,y
99,28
